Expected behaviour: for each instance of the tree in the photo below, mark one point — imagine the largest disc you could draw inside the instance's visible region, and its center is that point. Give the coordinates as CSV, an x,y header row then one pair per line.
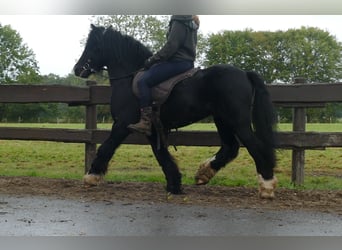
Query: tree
x,y
61,111
17,61
70,80
311,53
279,56
17,64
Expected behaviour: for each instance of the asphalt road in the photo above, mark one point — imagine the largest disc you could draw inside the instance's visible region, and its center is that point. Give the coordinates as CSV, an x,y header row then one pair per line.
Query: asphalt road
x,y
45,216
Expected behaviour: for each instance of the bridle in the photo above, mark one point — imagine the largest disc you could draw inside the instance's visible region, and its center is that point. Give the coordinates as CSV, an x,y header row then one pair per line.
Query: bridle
x,y
87,67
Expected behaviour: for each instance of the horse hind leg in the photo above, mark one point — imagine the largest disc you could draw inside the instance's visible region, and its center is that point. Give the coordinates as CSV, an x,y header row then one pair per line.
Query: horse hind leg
x,y
170,169
228,151
263,157
267,187
205,172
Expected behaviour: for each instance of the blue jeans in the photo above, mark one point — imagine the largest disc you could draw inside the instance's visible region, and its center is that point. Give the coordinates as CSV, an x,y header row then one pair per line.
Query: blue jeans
x,y
156,75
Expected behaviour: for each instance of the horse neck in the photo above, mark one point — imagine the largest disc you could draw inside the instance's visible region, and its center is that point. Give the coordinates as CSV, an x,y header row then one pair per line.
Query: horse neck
x,y
128,57
123,70
120,75
118,71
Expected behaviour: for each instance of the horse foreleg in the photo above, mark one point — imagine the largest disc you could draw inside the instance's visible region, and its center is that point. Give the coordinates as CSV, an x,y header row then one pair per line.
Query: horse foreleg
x,y
104,154
170,169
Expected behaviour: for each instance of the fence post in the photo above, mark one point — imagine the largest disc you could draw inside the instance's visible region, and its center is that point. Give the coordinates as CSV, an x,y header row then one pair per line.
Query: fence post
x,y
90,123
298,155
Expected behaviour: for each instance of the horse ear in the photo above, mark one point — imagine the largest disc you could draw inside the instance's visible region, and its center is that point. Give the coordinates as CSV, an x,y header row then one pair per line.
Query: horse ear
x,y
110,27
92,26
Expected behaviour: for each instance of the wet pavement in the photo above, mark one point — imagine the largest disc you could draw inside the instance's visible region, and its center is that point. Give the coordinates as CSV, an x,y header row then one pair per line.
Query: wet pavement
x,y
45,216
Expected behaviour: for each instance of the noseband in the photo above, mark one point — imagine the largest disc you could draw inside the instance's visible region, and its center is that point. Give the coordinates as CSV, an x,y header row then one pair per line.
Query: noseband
x,y
87,67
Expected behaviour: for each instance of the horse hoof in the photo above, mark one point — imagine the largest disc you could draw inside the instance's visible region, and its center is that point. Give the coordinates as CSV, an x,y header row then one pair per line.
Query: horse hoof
x,y
92,179
266,188
174,190
205,173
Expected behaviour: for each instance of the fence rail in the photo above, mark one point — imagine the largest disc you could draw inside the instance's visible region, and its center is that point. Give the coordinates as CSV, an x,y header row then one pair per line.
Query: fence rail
x,y
297,96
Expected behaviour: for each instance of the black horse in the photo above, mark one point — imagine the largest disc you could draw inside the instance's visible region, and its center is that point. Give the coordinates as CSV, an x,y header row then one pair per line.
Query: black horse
x,y
237,100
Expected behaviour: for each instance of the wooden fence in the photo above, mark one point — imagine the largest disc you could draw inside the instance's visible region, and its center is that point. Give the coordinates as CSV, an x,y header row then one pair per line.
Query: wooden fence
x,y
297,96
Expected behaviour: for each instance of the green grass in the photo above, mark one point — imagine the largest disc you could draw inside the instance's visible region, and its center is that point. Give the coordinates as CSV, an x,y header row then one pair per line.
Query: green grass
x,y
323,168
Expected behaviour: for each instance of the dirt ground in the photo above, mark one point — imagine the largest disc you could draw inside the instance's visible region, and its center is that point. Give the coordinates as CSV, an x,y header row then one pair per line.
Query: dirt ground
x,y
237,197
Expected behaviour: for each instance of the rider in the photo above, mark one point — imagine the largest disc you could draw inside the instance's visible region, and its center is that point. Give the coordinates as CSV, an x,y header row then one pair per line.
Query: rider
x,y
175,57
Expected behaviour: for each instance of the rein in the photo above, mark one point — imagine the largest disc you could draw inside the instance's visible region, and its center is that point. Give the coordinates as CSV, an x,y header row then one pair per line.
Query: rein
x,y
113,78
123,77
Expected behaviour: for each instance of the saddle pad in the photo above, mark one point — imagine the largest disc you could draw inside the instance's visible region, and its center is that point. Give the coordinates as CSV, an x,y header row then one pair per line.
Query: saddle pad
x,y
161,92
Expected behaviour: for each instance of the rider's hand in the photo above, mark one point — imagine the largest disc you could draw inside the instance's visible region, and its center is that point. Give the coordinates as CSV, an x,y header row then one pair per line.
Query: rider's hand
x,y
149,62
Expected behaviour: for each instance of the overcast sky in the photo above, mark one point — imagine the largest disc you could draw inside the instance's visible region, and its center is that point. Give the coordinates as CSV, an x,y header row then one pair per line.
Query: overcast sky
x,y
55,39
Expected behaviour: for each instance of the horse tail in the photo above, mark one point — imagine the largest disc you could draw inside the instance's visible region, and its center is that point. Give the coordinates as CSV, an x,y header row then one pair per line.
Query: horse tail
x,y
263,114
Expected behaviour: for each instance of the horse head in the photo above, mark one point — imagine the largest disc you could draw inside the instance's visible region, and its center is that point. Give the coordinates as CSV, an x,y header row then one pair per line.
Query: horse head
x,y
106,47
92,59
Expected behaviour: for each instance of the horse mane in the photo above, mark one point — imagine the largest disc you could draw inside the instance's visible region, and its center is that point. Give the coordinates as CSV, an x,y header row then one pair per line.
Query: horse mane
x,y
124,48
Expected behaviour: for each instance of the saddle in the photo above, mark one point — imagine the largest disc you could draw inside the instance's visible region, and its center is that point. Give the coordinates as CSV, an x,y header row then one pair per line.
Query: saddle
x,y
161,92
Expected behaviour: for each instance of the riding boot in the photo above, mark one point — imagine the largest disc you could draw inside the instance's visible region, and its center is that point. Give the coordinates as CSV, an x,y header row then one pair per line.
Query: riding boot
x,y
144,125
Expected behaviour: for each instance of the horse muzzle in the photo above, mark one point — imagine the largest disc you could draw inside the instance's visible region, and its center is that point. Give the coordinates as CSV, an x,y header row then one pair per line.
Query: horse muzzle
x,y
83,72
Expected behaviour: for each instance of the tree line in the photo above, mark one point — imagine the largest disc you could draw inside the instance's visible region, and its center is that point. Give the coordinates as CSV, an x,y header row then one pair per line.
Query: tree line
x,y
278,56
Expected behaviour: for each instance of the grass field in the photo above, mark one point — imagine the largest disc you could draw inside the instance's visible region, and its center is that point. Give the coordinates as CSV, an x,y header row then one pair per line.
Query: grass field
x,y
323,168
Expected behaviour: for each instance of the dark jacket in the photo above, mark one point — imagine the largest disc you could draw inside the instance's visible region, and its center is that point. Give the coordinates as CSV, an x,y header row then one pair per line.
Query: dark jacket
x,y
181,41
